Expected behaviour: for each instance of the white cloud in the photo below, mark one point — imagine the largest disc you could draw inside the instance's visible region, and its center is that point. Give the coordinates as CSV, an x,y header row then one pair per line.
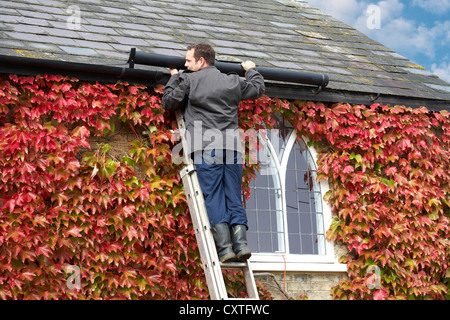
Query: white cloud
x,y
344,10
350,11
390,9
406,36
442,70
434,6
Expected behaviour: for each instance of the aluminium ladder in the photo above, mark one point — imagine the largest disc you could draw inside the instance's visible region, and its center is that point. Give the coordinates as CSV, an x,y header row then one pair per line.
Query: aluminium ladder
x,y
208,254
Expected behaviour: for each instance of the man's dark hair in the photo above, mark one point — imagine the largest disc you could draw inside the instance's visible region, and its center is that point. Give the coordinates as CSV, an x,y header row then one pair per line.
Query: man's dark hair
x,y
203,50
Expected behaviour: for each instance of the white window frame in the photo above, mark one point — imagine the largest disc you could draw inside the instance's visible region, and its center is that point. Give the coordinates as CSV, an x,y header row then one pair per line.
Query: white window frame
x,y
298,262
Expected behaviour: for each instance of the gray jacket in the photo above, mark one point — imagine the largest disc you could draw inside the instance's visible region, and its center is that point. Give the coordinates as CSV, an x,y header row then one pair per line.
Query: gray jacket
x,y
210,100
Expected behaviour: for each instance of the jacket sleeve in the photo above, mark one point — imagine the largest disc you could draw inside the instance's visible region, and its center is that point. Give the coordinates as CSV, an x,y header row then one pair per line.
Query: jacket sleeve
x,y
253,86
176,92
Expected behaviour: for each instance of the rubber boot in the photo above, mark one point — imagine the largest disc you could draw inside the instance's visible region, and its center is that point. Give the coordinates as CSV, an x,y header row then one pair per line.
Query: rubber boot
x,y
239,239
222,239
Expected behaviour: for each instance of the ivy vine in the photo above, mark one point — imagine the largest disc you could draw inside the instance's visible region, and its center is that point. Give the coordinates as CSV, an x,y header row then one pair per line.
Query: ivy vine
x,y
130,234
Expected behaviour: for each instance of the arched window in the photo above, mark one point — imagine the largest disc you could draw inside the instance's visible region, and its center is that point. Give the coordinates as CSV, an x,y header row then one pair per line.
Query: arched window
x,y
286,213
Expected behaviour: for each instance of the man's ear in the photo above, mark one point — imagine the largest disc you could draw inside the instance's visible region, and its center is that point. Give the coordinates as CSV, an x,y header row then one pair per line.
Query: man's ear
x,y
202,62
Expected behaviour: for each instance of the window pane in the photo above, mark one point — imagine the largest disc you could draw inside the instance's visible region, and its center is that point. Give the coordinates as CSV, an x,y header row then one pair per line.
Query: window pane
x,y
308,244
294,243
302,196
264,208
278,139
293,222
303,203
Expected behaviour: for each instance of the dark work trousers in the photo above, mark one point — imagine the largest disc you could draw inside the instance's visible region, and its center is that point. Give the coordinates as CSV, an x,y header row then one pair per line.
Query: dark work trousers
x,y
220,176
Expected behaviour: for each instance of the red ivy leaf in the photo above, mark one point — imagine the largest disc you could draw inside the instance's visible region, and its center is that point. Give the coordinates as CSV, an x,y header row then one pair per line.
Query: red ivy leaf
x,y
391,171
45,250
348,169
128,210
74,231
380,294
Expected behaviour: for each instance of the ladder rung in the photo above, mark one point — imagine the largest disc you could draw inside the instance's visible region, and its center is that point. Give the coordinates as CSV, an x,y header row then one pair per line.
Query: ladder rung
x,y
233,265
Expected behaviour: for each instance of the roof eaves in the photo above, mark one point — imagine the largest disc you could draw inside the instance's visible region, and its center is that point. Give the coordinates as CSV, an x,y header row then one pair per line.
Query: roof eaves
x,y
111,74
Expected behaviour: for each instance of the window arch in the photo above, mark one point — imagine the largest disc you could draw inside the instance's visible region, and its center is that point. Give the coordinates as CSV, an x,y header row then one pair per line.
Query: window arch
x,y
286,212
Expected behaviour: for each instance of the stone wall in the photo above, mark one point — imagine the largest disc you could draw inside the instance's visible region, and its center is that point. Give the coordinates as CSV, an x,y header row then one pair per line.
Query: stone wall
x,y
118,140
315,286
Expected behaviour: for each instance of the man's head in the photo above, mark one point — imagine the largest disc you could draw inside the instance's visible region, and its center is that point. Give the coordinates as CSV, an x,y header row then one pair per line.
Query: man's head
x,y
199,56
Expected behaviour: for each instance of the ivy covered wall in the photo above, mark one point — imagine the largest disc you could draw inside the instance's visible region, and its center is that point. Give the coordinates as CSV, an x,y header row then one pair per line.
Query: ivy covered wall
x,y
83,224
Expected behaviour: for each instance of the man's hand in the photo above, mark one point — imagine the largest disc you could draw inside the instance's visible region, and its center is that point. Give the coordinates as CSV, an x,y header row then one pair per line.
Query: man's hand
x,y
173,71
248,64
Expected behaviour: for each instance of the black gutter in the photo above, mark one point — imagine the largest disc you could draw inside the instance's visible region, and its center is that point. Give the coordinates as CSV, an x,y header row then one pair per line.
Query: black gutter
x,y
108,74
160,60
82,71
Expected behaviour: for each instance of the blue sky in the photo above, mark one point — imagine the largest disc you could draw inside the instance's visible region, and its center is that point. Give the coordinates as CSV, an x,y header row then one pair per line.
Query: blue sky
x,y
416,29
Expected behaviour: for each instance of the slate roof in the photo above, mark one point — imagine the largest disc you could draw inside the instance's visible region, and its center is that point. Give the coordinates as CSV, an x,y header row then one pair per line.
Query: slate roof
x,y
284,34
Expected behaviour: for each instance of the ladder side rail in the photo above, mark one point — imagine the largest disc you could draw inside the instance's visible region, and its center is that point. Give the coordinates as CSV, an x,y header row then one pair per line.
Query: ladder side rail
x,y
249,278
207,252
200,221
250,283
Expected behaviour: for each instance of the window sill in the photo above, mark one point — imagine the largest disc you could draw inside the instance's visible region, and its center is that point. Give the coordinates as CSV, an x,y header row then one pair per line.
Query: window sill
x,y
295,263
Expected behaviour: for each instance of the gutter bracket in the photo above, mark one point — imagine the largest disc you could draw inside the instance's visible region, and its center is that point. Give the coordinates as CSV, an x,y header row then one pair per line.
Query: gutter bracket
x,y
373,99
317,91
132,58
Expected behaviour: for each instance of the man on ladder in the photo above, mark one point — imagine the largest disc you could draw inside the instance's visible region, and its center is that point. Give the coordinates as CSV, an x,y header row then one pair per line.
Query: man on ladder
x,y
210,100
